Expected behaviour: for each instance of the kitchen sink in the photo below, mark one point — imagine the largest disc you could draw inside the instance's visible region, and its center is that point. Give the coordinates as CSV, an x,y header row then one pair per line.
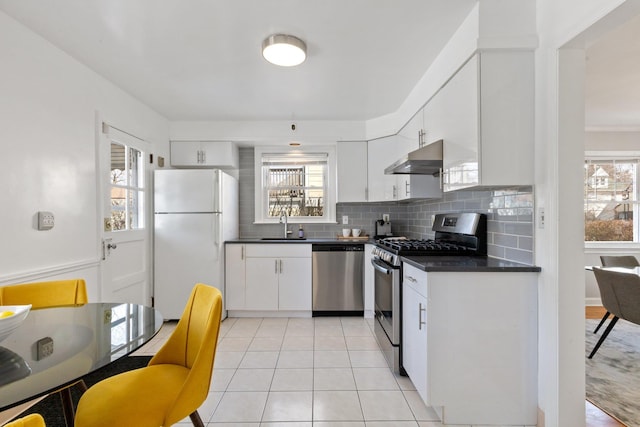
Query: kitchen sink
x,y
283,239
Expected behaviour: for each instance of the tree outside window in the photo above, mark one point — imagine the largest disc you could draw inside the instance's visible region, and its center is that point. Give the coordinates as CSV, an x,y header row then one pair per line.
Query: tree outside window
x,y
610,200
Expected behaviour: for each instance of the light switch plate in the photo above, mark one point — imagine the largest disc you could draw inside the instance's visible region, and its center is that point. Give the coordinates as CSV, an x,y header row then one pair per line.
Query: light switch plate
x,y
345,219
385,217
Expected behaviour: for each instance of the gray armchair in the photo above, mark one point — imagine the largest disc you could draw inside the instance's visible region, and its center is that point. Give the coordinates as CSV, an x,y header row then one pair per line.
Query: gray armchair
x,y
626,261
620,293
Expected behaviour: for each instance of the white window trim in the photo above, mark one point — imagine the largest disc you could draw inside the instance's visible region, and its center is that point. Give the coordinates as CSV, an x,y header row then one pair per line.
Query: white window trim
x,y
612,155
331,196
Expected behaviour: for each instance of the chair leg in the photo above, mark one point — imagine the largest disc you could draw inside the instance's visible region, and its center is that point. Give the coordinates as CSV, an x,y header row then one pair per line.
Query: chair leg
x,y
82,385
604,335
605,317
67,406
196,420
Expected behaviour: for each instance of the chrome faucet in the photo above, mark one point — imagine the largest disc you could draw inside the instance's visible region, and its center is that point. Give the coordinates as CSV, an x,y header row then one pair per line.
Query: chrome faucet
x,y
286,230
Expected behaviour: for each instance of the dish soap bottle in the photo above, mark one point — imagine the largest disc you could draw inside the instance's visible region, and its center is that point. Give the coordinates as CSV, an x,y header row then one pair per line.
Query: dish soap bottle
x,y
300,232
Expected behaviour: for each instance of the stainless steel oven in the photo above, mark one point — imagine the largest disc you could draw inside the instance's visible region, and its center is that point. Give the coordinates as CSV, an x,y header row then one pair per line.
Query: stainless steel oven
x,y
388,298
461,234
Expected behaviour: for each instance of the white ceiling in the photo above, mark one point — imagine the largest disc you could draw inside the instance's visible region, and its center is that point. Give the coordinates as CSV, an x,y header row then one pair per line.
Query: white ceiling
x,y
201,60
612,97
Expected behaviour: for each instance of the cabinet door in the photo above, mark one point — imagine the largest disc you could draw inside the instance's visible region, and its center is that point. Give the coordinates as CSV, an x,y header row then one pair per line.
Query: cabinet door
x,y
414,339
409,136
185,153
381,153
219,154
457,113
294,291
352,171
262,284
419,187
235,280
369,303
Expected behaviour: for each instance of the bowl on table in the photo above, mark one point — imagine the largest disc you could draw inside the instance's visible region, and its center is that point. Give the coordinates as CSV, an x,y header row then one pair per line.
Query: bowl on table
x,y
11,316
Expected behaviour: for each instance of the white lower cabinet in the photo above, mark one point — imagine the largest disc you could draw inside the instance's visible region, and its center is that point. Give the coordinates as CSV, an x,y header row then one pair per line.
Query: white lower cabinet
x,y
414,332
234,277
470,344
268,277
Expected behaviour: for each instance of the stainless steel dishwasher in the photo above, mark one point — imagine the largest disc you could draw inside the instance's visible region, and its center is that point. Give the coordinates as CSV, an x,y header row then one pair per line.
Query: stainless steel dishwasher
x,y
338,279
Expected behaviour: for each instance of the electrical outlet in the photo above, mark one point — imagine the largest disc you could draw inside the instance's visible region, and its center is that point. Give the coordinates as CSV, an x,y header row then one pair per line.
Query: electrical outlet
x,y
44,348
385,217
46,220
345,219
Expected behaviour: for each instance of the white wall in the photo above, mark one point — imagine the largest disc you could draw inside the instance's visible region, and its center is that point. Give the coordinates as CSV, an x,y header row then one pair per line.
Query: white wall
x,y
560,246
268,132
48,107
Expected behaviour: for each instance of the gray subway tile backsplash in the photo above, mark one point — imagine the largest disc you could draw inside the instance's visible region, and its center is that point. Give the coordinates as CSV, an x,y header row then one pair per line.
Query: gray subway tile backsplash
x,y
510,218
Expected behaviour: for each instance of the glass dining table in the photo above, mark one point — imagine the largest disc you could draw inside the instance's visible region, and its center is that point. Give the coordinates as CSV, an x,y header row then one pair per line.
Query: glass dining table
x,y
56,347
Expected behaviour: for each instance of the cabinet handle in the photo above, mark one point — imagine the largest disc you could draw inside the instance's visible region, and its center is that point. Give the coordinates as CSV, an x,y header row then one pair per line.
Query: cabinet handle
x,y
395,192
204,156
407,188
280,266
199,156
242,253
440,176
411,279
420,310
276,271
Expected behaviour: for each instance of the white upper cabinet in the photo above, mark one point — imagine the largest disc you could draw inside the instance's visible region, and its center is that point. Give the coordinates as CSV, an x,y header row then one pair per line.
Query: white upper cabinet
x,y
484,114
213,154
410,138
381,153
352,171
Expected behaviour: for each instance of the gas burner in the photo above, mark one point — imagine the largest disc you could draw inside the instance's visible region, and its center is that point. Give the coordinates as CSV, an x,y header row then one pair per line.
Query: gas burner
x,y
420,246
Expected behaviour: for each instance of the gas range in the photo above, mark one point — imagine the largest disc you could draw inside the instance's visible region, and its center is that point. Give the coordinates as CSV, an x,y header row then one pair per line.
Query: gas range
x,y
455,234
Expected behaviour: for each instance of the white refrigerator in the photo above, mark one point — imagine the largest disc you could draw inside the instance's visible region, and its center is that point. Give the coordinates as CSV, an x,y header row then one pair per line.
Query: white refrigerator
x,y
195,211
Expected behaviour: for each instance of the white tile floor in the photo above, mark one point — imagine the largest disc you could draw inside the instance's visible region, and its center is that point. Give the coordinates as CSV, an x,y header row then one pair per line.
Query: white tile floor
x,y
291,372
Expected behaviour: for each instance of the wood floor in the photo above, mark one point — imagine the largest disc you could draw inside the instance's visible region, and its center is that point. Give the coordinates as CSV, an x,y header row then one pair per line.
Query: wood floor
x,y
595,416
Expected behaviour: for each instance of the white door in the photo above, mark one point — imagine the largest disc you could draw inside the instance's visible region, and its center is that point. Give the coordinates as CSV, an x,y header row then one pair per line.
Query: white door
x,y
123,182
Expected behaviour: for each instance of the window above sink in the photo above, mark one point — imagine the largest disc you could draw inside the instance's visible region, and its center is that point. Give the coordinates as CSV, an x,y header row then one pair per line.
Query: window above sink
x,y
299,182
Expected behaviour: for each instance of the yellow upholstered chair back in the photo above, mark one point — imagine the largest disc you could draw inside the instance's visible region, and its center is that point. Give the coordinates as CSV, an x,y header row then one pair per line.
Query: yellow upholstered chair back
x,y
193,345
33,420
45,294
175,382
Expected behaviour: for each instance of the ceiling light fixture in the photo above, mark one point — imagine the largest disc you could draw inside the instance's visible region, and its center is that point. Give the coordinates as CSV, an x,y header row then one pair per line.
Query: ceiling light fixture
x,y
284,50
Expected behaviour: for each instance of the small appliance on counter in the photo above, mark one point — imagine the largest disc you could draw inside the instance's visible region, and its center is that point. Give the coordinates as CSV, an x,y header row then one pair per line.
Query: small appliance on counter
x,y
383,229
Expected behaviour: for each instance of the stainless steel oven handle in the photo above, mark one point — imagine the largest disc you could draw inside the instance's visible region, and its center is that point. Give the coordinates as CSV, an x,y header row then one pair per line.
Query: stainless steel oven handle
x,y
381,267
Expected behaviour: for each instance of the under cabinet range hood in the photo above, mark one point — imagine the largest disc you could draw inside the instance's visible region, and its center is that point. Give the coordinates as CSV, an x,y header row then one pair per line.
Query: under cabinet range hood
x,y
426,160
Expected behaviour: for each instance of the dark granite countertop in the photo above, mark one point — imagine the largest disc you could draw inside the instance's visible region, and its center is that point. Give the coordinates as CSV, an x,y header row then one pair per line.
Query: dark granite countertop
x,y
296,240
467,264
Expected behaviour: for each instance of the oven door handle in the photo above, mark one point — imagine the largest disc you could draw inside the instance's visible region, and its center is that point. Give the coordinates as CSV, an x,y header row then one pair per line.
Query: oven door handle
x,y
378,265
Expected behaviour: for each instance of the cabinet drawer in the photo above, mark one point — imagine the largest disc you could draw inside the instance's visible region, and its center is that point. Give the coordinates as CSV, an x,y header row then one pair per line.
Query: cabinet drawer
x,y
415,279
286,250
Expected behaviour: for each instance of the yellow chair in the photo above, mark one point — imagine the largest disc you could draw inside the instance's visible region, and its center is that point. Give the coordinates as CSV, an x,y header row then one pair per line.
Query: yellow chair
x,y
175,382
33,420
45,294
55,293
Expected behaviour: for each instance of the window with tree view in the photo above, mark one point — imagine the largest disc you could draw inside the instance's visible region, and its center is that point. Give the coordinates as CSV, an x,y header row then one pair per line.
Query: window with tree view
x,y
127,188
611,200
294,184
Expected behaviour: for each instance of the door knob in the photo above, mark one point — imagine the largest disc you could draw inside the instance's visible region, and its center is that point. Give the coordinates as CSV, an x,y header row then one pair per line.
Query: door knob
x,y
112,246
